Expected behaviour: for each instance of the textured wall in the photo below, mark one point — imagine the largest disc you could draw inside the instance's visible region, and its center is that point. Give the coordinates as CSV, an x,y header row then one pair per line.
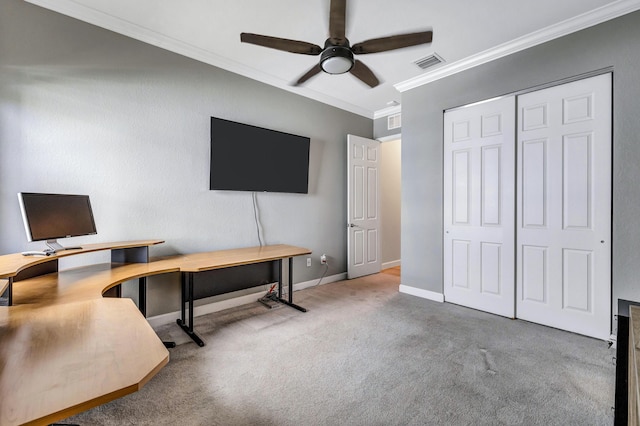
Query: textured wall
x,y
612,44
84,110
380,129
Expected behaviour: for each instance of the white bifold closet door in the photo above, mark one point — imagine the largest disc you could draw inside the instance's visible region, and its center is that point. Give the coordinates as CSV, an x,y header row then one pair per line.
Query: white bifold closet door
x,y
564,207
527,206
479,218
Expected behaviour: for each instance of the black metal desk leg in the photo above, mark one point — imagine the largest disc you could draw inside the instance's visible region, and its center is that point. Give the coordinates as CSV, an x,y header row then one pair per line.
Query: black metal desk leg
x,y
10,291
142,295
280,279
183,296
181,322
290,296
291,280
190,302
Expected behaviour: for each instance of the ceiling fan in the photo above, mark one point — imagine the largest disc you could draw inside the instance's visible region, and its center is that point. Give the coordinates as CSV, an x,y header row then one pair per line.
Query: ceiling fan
x,y
337,55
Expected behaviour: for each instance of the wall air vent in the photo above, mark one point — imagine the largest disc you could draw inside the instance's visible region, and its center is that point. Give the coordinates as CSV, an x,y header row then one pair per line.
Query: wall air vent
x,y
394,121
429,61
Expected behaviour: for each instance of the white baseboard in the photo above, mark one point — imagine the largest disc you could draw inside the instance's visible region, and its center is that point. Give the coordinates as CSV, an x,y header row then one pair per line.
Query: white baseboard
x,y
613,339
325,280
221,305
392,264
425,294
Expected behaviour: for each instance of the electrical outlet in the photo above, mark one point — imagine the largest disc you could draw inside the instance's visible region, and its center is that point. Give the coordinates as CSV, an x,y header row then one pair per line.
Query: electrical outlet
x,y
323,259
308,261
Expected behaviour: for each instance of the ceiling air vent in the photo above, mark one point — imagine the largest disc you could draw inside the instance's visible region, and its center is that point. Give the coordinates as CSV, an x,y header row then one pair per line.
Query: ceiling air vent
x,y
429,61
394,121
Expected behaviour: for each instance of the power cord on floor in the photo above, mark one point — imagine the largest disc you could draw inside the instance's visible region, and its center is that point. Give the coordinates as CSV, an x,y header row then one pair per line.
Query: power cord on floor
x,y
270,298
326,269
271,294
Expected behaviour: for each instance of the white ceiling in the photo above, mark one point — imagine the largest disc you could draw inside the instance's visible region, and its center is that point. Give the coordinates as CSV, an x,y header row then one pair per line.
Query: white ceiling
x,y
466,33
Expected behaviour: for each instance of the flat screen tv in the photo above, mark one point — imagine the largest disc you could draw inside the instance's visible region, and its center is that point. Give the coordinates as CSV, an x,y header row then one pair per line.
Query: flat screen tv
x,y
48,217
250,158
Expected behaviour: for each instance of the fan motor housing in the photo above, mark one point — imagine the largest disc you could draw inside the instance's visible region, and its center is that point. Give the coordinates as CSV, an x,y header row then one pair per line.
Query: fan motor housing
x,y
336,59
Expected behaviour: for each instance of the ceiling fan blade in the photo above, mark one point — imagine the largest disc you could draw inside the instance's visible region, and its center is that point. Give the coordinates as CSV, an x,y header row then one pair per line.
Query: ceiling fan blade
x,y
363,72
313,71
383,44
293,46
337,21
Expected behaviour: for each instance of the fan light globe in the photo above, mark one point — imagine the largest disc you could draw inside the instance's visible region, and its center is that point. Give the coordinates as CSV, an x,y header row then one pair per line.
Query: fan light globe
x,y
336,60
336,65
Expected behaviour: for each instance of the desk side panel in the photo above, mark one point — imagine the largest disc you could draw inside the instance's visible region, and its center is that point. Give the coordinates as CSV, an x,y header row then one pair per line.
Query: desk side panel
x,y
219,281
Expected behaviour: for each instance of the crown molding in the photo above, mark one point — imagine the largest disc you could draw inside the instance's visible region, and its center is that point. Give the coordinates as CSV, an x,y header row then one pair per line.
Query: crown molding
x,y
387,111
390,138
568,26
129,29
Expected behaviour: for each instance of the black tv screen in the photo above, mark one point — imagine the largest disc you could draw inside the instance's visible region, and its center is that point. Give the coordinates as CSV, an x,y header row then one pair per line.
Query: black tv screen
x,y
52,216
249,158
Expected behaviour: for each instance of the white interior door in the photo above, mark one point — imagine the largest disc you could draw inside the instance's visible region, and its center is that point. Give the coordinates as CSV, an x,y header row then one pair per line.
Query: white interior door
x,y
564,199
363,206
479,203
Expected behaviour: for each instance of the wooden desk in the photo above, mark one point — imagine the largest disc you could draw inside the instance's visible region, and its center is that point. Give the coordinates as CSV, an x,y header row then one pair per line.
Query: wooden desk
x,y
200,262
64,348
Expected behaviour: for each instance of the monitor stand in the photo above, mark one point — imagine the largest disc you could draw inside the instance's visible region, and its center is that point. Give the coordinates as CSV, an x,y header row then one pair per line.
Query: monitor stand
x,y
54,246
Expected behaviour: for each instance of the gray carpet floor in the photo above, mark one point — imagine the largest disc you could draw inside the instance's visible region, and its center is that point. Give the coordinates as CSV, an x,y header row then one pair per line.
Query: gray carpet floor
x,y
366,354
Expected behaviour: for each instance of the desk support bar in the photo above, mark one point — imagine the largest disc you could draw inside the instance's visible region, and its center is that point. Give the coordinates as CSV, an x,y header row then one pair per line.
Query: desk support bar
x,y
187,281
290,295
142,295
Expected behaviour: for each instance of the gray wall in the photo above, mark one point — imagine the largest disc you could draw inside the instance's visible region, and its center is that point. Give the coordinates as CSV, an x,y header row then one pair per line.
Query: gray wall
x,y
84,110
616,44
380,129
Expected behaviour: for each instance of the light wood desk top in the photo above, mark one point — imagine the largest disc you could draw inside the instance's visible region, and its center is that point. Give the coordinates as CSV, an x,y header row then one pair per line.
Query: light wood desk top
x,y
12,264
62,359
83,283
198,262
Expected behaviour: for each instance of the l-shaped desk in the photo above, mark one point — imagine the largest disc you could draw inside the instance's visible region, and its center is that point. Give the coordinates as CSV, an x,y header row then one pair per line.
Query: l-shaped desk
x,y
64,348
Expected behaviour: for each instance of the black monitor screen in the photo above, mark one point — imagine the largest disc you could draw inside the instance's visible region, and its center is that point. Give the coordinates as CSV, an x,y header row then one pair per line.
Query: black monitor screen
x,y
51,216
249,158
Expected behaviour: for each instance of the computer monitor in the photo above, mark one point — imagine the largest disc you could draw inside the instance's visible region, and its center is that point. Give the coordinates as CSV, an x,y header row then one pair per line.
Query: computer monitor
x,y
48,217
